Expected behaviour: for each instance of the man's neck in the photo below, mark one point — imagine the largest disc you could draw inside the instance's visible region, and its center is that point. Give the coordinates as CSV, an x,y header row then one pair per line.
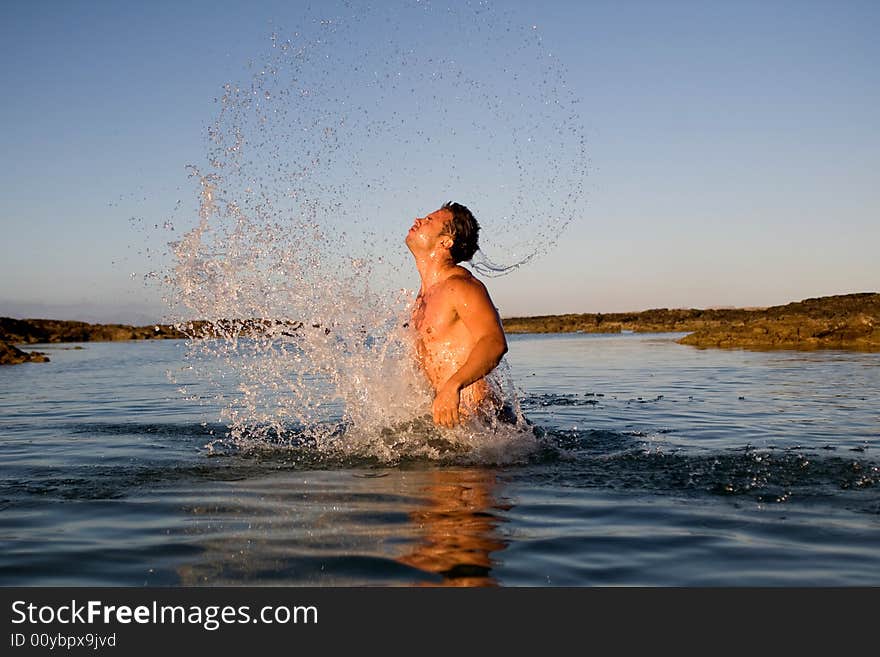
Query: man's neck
x,y
433,268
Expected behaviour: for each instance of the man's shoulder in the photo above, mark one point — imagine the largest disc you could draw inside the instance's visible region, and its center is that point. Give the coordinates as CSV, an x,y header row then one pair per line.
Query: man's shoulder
x,y
463,280
464,286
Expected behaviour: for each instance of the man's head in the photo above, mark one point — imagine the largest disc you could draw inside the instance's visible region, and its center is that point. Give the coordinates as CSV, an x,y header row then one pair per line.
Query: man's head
x,y
452,227
462,226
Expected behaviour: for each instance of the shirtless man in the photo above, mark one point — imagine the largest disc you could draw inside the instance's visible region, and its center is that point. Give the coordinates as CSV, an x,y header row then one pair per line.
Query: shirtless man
x,y
460,338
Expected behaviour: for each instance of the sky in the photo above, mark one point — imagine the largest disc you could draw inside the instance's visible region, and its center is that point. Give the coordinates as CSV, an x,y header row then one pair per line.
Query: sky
x,y
734,148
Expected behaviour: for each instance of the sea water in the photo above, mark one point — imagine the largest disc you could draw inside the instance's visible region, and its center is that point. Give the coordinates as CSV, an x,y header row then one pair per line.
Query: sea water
x,y
657,464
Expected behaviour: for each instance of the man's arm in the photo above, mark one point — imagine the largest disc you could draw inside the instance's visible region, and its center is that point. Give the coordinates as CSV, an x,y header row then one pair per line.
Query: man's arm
x,y
474,307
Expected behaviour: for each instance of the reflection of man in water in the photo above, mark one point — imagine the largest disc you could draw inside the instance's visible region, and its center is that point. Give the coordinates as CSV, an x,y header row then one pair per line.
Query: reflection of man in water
x,y
459,527
460,338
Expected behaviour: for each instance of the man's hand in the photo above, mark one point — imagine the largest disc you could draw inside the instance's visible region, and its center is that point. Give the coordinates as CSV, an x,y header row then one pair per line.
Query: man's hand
x,y
446,405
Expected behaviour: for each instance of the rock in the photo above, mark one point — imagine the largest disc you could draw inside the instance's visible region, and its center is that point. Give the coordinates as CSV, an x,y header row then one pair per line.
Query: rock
x,y
846,321
32,331
11,355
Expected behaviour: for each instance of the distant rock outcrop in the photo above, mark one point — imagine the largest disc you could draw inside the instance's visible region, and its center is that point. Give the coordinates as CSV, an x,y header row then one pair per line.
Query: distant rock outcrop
x,y
33,331
656,320
846,321
11,355
43,331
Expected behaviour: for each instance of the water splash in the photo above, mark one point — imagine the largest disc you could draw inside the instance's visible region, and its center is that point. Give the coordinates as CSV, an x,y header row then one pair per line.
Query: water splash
x,y
316,165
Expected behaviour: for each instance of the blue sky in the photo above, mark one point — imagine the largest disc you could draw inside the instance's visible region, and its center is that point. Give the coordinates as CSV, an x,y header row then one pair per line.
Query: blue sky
x,y
734,147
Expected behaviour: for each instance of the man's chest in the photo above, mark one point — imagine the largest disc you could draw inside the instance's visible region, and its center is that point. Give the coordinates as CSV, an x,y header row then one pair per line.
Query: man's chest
x,y
433,315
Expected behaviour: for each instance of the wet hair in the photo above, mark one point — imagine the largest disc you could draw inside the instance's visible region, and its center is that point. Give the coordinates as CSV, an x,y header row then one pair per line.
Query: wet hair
x,y
464,230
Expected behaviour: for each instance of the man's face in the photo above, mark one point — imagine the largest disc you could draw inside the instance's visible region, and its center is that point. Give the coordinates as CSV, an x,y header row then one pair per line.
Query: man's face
x,y
428,231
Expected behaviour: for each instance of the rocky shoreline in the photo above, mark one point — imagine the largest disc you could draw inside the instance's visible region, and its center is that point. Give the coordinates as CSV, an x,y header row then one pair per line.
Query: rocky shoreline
x,y
12,355
849,321
846,321
47,331
52,331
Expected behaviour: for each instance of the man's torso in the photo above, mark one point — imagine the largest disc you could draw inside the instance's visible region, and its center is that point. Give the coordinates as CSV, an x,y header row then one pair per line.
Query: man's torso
x,y
444,341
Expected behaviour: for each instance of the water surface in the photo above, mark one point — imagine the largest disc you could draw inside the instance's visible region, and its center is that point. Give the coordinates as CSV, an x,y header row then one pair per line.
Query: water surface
x,y
659,464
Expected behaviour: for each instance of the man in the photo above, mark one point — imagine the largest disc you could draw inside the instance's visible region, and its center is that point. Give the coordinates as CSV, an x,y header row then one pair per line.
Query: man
x,y
459,334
